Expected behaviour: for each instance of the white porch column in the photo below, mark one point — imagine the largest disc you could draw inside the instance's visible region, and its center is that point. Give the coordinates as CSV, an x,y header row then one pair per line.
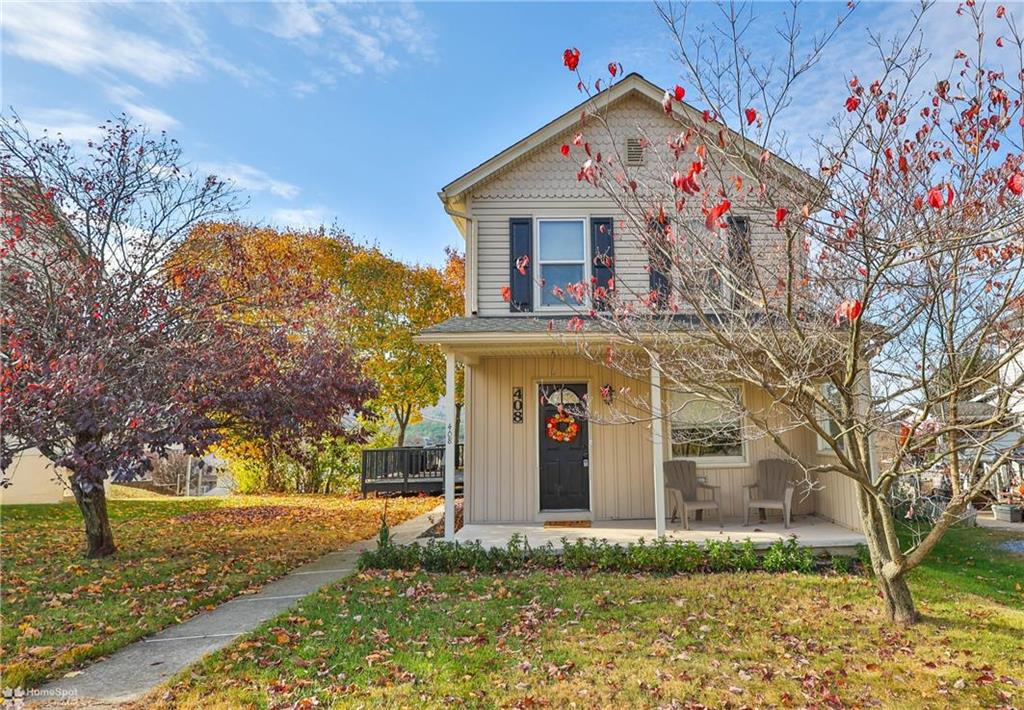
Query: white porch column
x,y
449,446
657,451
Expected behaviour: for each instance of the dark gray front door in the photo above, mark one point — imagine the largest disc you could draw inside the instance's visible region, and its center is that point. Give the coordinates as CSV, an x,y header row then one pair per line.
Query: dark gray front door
x,y
564,465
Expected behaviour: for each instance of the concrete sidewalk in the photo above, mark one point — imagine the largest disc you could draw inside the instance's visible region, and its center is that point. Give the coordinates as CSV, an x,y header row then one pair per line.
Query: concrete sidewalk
x,y
139,667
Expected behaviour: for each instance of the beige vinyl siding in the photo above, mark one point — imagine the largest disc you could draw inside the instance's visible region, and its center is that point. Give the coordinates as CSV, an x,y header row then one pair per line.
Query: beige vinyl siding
x,y
501,457
492,217
32,479
542,183
836,498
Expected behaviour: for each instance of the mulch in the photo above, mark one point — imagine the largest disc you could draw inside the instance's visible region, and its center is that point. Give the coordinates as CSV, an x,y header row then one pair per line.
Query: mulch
x,y
437,529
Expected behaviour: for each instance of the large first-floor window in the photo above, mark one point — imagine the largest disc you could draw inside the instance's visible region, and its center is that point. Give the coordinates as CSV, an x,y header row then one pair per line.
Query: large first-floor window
x,y
561,258
830,393
706,430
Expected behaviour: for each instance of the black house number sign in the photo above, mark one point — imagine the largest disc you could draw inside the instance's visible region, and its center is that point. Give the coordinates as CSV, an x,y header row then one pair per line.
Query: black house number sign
x,y
517,405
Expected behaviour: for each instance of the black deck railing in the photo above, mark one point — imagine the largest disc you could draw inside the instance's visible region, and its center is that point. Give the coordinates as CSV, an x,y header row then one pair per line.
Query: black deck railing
x,y
408,469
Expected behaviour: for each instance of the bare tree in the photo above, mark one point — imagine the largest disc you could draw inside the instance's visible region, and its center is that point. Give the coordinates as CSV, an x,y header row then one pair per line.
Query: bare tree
x,y
881,287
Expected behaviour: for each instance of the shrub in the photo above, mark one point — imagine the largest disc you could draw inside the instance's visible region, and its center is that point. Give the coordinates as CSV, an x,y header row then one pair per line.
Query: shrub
x,y
788,556
842,564
660,556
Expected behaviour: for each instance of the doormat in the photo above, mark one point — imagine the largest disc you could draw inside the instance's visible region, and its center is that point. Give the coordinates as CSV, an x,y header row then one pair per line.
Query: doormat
x,y
567,524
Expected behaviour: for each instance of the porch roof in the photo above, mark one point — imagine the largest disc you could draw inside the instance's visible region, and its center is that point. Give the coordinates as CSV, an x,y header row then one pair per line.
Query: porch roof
x,y
538,328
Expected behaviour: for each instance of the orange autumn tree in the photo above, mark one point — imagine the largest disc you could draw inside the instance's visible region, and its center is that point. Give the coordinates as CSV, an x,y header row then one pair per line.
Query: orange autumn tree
x,y
286,275
454,276
286,279
392,302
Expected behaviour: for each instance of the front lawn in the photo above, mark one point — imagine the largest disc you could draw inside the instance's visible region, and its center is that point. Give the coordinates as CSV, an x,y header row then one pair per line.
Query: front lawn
x,y
561,639
175,557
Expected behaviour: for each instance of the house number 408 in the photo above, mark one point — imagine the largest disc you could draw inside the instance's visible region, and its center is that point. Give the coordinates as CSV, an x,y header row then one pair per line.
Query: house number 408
x,y
517,405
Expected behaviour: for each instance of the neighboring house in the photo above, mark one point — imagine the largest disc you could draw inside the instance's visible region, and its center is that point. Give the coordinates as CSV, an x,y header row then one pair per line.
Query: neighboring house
x,y
528,200
32,480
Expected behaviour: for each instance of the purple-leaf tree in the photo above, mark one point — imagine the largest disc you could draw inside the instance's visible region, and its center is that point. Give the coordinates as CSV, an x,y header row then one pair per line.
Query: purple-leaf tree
x,y
112,352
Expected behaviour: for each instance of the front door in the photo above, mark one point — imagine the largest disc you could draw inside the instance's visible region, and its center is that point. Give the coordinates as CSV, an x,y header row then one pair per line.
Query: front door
x,y
564,452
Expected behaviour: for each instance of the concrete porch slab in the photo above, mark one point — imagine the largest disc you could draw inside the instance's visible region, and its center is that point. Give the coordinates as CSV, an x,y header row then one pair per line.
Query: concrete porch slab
x,y
809,531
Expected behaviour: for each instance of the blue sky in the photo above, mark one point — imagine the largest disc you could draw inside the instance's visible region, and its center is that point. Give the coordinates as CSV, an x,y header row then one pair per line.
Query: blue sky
x,y
354,114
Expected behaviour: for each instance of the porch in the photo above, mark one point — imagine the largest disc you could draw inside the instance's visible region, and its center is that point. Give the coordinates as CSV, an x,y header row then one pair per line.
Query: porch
x,y
809,531
610,469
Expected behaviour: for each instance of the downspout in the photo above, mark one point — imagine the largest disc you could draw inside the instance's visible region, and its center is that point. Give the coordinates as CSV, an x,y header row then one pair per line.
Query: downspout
x,y
471,260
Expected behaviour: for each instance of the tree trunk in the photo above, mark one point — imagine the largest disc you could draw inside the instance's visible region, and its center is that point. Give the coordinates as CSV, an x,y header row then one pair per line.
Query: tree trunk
x,y
93,504
899,603
886,560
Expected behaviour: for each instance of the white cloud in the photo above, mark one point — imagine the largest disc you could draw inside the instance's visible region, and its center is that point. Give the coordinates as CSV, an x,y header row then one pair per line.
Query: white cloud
x,y
79,38
126,97
247,177
349,39
299,217
294,20
73,126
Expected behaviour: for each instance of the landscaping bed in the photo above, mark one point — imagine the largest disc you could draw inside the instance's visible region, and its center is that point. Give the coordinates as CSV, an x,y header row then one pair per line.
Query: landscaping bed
x,y
176,557
557,637
660,556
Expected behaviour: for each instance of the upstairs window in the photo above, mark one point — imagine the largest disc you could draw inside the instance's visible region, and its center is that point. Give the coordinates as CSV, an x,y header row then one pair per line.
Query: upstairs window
x,y
561,259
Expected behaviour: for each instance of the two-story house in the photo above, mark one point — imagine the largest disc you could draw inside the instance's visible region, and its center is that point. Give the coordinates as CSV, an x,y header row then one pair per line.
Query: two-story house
x,y
528,200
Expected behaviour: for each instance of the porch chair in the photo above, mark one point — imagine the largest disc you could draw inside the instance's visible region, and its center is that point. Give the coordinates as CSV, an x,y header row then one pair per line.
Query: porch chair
x,y
774,489
682,485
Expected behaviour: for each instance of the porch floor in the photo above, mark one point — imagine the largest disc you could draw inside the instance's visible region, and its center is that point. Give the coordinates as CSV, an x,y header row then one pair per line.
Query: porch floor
x,y
809,530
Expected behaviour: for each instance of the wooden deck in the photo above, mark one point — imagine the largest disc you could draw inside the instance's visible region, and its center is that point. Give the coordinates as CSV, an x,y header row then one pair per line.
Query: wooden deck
x,y
809,531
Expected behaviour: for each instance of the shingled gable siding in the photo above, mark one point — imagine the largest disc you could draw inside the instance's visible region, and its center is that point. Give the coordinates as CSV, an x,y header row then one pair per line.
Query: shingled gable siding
x,y
501,463
544,184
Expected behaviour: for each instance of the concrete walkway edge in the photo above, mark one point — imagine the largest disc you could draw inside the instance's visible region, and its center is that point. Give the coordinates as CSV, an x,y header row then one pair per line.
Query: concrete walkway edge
x,y
136,669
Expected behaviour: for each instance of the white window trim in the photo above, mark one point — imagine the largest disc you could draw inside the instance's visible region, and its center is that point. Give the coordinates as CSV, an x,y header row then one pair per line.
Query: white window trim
x,y
538,289
710,461
824,423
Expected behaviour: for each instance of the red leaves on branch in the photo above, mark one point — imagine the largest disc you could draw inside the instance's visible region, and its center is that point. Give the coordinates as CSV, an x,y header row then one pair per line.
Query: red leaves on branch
x,y
614,68
751,115
936,199
506,294
852,103
848,310
1000,11
714,215
666,102
565,150
588,172
678,93
522,263
780,216
1016,183
571,58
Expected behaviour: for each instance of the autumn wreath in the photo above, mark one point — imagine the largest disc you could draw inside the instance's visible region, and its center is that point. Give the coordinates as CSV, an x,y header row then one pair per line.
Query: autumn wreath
x,y
562,427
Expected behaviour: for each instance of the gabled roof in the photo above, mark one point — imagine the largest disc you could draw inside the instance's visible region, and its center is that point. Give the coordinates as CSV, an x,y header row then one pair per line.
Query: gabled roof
x,y
630,84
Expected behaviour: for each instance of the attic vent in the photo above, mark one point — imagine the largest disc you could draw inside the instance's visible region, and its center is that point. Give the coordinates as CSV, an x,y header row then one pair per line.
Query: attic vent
x,y
634,152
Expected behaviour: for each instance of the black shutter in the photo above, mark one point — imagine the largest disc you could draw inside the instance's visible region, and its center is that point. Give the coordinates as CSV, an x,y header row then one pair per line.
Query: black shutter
x,y
602,254
740,263
520,244
657,264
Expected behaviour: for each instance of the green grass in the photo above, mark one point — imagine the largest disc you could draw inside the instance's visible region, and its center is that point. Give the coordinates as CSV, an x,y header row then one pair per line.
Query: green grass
x,y
175,557
558,639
